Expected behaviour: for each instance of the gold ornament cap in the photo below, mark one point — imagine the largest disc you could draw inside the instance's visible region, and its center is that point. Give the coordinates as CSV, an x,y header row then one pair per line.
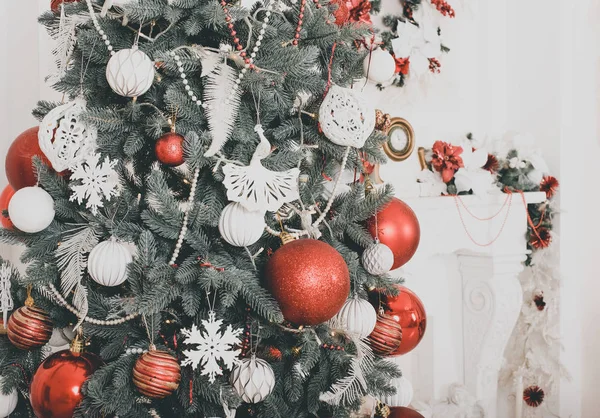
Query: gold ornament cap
x,y
382,410
77,345
286,237
422,161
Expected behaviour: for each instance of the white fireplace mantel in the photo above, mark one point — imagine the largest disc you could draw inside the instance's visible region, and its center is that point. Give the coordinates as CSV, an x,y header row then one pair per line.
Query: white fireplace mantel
x,y
490,295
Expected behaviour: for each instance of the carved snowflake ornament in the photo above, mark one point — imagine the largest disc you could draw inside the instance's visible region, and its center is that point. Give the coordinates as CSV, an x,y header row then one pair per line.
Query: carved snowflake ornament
x,y
346,117
65,138
6,300
94,181
253,379
212,345
130,72
255,187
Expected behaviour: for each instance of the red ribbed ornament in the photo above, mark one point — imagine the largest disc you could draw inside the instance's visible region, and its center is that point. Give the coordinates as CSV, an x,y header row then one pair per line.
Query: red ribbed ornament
x,y
29,327
5,197
156,374
169,149
19,159
403,412
56,385
386,337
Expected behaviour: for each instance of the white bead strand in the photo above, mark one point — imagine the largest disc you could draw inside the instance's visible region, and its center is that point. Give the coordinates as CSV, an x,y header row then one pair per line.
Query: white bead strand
x,y
186,217
99,28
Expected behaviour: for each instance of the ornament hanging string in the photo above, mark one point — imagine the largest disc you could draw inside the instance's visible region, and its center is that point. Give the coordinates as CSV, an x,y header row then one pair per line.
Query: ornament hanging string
x,y
148,332
329,69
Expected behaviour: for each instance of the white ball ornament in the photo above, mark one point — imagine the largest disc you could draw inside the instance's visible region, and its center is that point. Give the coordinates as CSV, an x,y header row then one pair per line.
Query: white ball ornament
x,y
130,72
378,259
346,117
8,403
107,263
253,379
357,316
31,209
379,66
239,226
404,393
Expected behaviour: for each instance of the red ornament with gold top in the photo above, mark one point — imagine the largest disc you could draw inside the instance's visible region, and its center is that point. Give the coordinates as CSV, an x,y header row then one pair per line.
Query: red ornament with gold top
x,y
156,374
29,326
19,159
309,279
386,337
397,227
55,389
169,149
5,197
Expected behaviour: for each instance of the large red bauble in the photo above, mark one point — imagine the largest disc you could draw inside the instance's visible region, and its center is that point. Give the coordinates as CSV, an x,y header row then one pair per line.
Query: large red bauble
x,y
386,337
5,197
169,149
406,309
29,327
156,374
399,229
403,412
19,159
56,385
310,281
55,4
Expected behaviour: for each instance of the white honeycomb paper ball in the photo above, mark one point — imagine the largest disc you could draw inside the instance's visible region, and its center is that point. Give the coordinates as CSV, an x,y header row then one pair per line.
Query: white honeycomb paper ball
x,y
130,72
378,259
253,379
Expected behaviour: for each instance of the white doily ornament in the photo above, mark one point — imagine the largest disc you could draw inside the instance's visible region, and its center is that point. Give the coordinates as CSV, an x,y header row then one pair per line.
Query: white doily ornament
x,y
404,393
99,181
31,209
108,261
6,300
65,138
239,226
8,403
130,72
378,259
346,117
357,316
253,379
213,344
257,188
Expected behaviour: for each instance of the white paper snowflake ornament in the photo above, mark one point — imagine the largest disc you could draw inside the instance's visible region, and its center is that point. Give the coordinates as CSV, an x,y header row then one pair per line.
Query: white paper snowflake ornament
x,y
346,117
253,379
6,300
130,72
93,182
255,187
212,345
378,259
65,138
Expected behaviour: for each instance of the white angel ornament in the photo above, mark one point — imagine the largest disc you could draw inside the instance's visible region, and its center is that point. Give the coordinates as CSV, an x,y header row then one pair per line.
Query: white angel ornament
x,y
255,187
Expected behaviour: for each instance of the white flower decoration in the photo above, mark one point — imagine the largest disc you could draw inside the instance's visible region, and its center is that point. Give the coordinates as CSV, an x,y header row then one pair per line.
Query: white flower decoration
x,y
472,176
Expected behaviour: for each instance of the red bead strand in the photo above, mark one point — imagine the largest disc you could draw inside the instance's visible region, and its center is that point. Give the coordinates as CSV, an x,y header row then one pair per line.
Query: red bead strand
x,y
300,21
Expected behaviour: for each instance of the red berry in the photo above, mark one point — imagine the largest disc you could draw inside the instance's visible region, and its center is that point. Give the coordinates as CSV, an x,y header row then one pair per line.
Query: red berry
x,y
295,42
239,47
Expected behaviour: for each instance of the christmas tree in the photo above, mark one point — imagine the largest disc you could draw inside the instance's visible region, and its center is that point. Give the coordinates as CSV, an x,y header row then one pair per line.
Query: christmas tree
x,y
187,210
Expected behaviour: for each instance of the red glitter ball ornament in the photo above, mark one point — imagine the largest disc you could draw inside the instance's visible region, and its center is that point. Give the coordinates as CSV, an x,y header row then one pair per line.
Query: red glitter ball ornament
x,y
533,396
19,159
397,227
56,385
309,279
408,311
386,337
29,327
5,197
169,149
157,374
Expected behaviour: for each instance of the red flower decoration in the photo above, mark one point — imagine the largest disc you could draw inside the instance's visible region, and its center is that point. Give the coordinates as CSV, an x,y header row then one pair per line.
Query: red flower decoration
x,y
402,65
541,238
491,164
549,185
533,396
539,302
444,8
359,11
341,14
434,65
446,159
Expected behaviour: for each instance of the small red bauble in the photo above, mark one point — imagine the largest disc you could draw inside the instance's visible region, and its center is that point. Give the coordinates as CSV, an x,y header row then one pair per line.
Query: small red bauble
x,y
398,228
309,279
156,374
169,149
403,412
55,4
406,309
56,385
19,159
29,327
5,197
386,336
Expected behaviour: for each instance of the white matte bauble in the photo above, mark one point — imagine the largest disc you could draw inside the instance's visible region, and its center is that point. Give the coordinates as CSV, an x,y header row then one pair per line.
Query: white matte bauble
x,y
378,259
346,117
253,379
8,403
31,209
357,316
379,66
404,393
239,226
107,263
61,337
130,72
